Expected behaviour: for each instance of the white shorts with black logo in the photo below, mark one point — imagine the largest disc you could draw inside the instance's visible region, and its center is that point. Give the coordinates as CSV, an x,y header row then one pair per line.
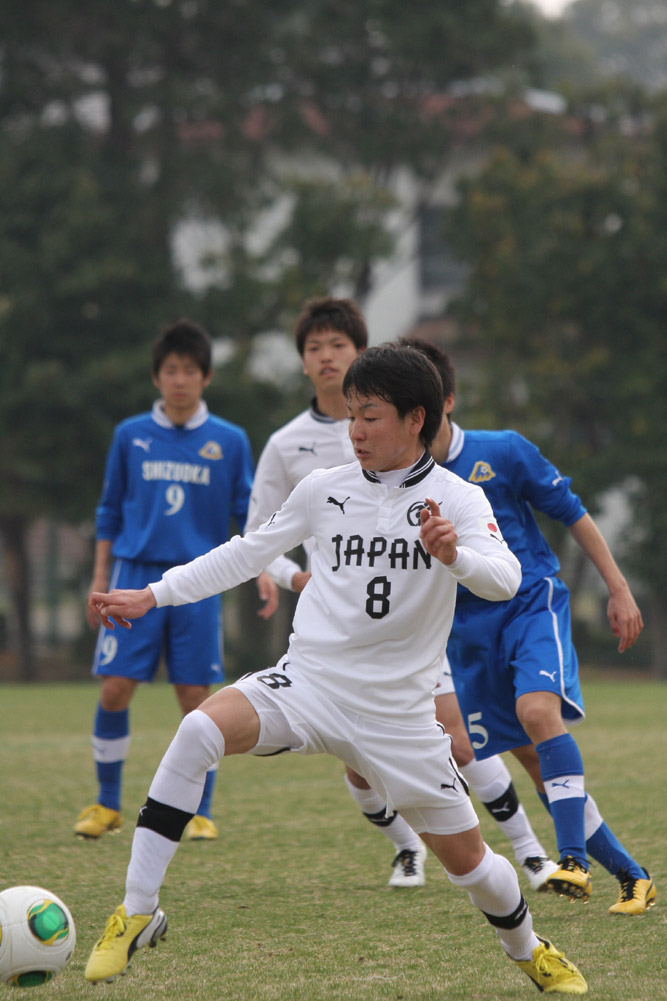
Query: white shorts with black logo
x,y
409,764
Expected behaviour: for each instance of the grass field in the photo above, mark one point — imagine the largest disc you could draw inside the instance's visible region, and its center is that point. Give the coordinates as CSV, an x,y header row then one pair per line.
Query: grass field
x,y
292,902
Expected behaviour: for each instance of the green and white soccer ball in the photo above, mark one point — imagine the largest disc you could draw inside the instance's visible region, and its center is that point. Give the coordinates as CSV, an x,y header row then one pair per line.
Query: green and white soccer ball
x,y
37,936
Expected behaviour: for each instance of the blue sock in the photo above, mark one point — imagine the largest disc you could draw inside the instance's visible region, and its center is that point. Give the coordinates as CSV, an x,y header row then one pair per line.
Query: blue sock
x,y
603,846
111,738
606,849
563,775
204,808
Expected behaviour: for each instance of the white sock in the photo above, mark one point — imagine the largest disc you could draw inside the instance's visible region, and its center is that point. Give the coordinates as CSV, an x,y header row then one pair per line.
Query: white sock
x,y
197,747
491,782
178,783
394,828
493,887
151,855
592,817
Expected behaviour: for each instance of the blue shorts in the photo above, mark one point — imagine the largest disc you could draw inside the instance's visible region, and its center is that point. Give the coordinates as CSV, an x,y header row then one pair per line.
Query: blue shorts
x,y
187,636
501,650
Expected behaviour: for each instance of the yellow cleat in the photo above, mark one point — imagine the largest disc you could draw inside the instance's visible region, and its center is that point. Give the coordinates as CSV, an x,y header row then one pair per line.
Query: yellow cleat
x,y
96,820
200,829
551,972
635,896
121,938
571,880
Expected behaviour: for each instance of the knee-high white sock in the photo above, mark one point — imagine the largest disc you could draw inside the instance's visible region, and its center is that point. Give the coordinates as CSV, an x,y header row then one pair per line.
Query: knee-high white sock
x,y
493,887
373,806
173,798
492,783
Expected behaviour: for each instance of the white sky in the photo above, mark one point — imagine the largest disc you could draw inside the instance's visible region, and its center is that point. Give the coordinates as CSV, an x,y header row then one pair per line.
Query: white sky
x,y
551,7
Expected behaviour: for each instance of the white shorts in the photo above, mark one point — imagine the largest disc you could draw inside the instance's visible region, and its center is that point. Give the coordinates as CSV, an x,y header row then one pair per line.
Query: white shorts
x,y
445,684
410,764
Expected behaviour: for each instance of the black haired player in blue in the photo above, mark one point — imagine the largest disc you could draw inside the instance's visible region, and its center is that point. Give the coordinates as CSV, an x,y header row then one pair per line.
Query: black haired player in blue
x,y
514,665
175,478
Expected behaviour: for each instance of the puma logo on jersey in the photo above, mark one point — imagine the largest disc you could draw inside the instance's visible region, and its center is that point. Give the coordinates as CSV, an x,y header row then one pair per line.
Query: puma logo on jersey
x,y
482,472
304,448
144,443
448,785
551,675
340,504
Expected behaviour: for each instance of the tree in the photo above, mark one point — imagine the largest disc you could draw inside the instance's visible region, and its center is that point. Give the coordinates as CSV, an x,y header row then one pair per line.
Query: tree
x,y
120,121
627,37
566,297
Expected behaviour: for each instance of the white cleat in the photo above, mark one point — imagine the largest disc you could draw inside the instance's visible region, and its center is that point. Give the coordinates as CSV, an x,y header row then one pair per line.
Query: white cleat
x,y
537,869
408,868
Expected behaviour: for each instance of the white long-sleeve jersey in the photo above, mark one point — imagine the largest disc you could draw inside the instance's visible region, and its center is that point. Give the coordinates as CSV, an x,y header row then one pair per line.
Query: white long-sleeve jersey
x,y
373,620
310,441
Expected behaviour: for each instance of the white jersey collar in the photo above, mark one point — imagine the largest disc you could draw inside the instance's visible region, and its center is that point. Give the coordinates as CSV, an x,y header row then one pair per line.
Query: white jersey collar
x,y
317,415
199,417
456,444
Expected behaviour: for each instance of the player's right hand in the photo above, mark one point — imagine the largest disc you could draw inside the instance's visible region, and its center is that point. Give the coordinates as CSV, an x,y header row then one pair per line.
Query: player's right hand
x,y
121,606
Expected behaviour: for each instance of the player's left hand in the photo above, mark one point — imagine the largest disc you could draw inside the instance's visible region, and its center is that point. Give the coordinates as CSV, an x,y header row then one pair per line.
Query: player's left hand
x,y
268,594
625,618
437,533
120,606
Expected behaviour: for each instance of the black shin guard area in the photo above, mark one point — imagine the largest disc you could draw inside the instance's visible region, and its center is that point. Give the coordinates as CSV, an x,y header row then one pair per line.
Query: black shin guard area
x,y
512,920
165,820
379,818
505,806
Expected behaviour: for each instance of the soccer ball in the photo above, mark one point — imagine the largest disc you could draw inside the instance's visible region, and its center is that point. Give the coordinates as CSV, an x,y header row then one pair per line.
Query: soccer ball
x,y
37,936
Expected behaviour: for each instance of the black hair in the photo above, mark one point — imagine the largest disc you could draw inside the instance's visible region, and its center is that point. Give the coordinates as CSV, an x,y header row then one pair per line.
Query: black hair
x,y
403,377
184,338
440,359
327,313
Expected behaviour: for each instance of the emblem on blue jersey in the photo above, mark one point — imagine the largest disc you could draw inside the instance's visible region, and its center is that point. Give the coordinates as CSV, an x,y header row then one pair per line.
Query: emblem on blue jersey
x,y
481,472
144,443
211,450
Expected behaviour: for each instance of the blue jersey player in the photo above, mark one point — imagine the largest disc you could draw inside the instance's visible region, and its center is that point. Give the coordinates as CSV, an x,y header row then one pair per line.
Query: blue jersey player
x,y
514,665
174,479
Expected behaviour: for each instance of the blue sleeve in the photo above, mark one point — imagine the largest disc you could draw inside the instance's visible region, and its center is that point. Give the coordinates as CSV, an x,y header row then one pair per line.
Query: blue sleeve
x,y
539,482
109,512
243,482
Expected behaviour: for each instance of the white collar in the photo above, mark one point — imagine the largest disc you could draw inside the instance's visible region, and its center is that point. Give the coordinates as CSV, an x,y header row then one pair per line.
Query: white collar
x,y
456,443
198,418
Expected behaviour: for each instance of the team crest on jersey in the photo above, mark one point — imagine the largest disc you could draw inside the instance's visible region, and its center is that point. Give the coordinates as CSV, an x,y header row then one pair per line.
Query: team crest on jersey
x,y
414,512
481,472
211,450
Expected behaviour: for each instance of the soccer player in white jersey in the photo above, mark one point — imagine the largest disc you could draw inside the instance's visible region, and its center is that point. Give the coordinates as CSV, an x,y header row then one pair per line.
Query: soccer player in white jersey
x,y
329,334
395,534
175,478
